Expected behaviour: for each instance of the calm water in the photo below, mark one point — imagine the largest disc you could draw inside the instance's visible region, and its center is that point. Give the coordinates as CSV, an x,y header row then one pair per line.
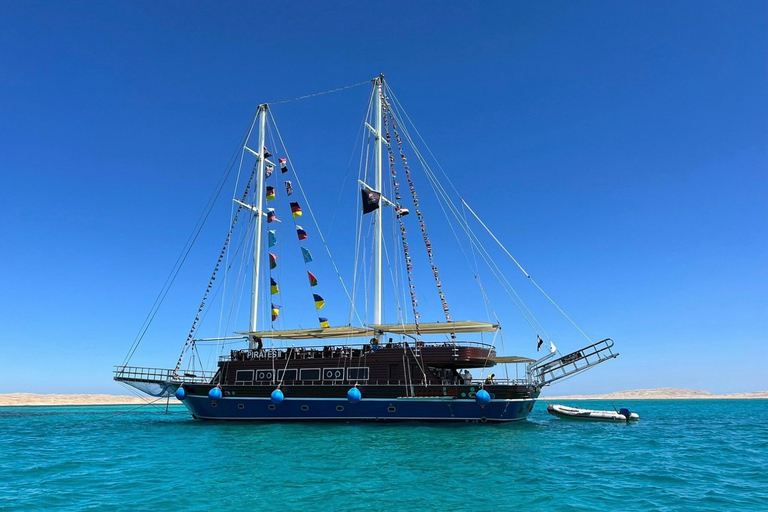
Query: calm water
x,y
682,455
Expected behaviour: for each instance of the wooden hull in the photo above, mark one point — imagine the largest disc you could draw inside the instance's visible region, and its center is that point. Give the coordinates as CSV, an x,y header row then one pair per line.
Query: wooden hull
x,y
378,403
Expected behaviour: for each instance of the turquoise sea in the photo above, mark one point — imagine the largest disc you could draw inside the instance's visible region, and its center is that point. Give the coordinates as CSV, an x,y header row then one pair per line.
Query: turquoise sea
x,y
682,455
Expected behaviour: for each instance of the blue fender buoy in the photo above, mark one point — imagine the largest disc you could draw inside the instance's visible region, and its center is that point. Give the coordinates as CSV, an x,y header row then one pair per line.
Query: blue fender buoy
x,y
181,394
483,397
215,393
277,396
354,395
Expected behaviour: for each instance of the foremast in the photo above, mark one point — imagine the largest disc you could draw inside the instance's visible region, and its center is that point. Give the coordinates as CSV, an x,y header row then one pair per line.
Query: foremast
x,y
257,232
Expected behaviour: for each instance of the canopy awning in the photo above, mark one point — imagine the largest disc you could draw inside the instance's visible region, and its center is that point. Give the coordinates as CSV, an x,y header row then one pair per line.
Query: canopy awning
x,y
312,334
512,359
437,327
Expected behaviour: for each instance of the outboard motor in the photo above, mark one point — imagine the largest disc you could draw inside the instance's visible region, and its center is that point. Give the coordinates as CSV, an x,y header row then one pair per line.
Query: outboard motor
x,y
625,412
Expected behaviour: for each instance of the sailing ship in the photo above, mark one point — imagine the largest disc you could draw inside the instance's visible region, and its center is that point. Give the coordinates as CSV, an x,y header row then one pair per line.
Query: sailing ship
x,y
381,364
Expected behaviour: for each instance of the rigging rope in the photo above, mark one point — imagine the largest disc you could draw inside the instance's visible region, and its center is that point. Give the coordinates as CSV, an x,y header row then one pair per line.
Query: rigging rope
x,y
320,93
190,337
422,223
403,232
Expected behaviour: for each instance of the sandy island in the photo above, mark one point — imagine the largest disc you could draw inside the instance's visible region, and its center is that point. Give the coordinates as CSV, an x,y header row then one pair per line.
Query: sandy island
x,y
660,394
22,399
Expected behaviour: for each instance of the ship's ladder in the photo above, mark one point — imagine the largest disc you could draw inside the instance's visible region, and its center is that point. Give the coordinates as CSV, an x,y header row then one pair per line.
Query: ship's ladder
x,y
546,370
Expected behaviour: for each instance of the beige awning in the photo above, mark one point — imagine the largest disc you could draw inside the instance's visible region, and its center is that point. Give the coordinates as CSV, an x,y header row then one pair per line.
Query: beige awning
x,y
512,359
312,334
437,327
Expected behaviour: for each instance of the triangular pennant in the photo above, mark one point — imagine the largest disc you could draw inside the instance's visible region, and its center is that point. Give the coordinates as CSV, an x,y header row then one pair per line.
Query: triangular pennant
x,y
312,278
296,210
319,301
307,255
272,260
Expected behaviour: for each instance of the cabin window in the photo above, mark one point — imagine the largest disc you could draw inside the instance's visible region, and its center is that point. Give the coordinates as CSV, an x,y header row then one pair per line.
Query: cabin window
x,y
264,375
357,373
310,374
243,376
333,373
284,375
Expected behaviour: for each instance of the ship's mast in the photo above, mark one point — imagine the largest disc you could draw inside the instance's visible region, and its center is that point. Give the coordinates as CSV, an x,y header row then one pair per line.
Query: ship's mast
x,y
377,185
262,117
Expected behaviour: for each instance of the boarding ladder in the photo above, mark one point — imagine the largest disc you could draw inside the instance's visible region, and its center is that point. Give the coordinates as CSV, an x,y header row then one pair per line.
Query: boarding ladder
x,y
547,370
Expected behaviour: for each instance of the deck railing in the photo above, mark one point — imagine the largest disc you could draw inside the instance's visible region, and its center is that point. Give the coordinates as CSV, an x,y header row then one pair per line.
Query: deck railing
x,y
159,375
351,351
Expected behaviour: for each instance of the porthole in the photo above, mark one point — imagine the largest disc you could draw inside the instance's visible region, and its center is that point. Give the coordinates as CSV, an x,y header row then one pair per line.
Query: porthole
x,y
213,404
339,408
391,409
271,407
240,406
304,407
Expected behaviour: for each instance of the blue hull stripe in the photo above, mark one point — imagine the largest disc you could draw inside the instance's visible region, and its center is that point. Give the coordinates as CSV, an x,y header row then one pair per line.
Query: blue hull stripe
x,y
327,409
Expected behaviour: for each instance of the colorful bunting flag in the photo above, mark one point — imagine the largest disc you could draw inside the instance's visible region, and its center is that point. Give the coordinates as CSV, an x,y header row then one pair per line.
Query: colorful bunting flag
x,y
319,301
288,188
539,342
272,235
307,255
270,193
283,165
370,200
312,278
273,286
324,323
268,171
272,260
296,210
275,311
267,154
271,217
302,234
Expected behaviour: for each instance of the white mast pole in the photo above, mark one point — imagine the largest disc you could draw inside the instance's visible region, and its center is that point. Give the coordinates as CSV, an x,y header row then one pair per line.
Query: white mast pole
x,y
378,230
258,224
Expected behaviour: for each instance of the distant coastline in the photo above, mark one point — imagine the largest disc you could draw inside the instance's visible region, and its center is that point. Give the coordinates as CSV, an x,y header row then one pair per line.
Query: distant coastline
x,y
661,394
24,399
32,399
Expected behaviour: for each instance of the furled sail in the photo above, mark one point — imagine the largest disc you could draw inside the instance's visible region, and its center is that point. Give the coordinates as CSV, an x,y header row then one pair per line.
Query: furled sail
x,y
316,333
437,327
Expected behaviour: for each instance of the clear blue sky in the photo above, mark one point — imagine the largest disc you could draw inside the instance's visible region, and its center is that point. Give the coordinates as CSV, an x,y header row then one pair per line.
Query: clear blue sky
x,y
631,140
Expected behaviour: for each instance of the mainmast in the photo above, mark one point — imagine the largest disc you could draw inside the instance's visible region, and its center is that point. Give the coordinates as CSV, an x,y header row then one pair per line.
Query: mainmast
x,y
377,185
262,117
